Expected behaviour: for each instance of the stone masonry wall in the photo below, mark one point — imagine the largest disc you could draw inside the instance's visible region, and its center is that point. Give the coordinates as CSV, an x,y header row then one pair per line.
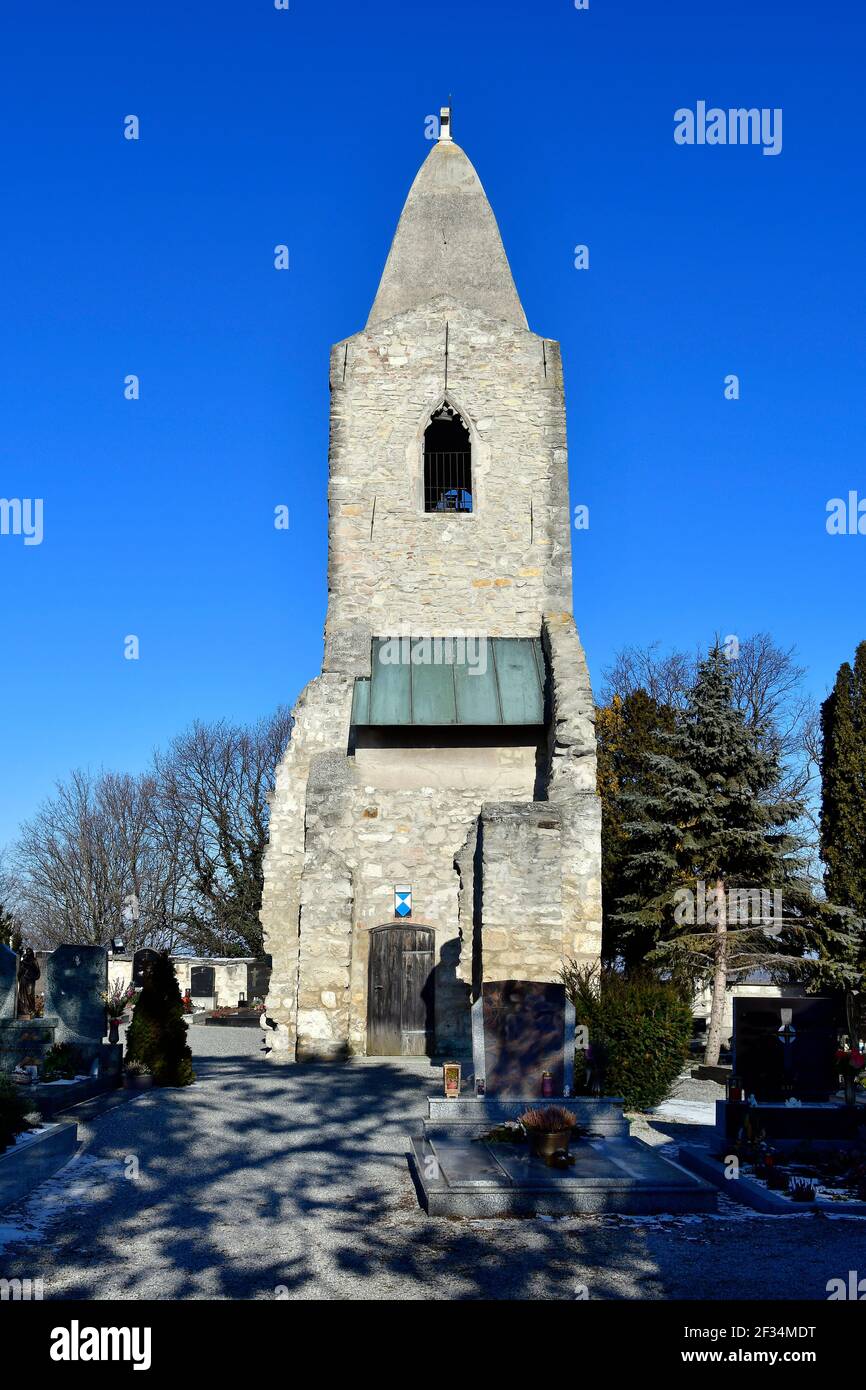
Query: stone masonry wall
x,y
538,888
393,567
321,722
521,914
361,839
572,786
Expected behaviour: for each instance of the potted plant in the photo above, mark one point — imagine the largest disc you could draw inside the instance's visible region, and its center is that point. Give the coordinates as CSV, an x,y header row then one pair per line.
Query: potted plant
x,y
61,1063
136,1076
548,1129
801,1190
851,1061
116,1000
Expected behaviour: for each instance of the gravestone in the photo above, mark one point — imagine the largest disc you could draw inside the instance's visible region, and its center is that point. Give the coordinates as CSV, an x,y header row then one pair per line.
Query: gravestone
x,y
201,982
8,982
521,1029
786,1047
141,961
258,978
75,979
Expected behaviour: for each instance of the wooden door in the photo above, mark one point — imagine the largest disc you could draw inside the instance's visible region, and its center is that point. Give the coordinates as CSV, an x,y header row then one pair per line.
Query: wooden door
x,y
400,999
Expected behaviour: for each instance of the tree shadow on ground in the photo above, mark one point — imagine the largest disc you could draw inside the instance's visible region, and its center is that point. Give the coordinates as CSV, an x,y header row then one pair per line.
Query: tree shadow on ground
x,y
264,1182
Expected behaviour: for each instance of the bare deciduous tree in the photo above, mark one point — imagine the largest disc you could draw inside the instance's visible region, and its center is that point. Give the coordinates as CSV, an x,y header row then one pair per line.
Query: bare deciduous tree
x,y
11,915
173,856
664,678
93,867
213,789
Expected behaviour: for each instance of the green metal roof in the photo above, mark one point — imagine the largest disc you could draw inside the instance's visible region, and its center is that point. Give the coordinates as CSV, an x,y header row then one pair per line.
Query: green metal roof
x,y
451,681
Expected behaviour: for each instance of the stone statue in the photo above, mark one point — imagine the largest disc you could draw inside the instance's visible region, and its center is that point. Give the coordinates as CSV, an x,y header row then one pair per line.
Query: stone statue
x,y
28,974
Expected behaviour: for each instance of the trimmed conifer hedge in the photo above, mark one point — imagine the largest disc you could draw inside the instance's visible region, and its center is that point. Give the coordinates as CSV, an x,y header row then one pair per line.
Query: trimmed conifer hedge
x,y
156,1037
639,1031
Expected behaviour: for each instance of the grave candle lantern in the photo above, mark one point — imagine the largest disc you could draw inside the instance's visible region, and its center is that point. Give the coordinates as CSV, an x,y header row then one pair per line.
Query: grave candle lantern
x,y
451,1080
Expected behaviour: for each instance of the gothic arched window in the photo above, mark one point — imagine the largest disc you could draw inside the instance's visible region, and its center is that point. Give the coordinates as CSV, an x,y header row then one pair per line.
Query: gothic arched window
x,y
447,463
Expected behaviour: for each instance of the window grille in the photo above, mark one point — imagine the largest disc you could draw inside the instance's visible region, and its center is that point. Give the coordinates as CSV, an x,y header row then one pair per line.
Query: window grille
x,y
447,463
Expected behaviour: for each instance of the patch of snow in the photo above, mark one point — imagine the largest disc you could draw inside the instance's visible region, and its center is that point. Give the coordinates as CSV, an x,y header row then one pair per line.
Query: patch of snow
x,y
79,1181
29,1135
688,1112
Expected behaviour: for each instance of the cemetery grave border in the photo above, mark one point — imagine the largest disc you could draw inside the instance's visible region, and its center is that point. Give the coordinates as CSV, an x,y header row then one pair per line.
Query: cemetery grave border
x,y
523,1036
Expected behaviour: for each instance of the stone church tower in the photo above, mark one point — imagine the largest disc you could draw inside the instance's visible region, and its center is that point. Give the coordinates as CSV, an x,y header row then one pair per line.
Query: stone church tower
x,y
435,822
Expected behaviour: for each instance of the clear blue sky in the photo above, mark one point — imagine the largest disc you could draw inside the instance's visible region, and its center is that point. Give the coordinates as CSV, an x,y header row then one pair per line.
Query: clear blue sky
x,y
260,126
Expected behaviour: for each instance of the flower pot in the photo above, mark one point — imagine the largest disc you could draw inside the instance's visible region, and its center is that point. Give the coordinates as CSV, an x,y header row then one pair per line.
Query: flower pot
x,y
137,1083
850,1083
113,1025
546,1145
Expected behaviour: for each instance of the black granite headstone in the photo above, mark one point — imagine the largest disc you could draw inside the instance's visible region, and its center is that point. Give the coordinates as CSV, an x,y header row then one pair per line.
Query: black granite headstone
x,y
142,960
201,981
8,982
524,1036
75,979
258,978
786,1047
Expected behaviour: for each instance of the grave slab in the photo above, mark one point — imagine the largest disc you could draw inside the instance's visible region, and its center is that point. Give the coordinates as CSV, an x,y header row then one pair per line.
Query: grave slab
x,y
821,1123
459,1176
754,1194
34,1158
603,1116
75,979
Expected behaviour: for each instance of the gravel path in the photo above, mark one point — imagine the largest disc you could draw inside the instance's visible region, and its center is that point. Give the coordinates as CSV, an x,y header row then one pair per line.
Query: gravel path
x,y
259,1182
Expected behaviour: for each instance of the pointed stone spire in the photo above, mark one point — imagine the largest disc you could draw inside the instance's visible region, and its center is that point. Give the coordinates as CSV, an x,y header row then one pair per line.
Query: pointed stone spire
x,y
447,241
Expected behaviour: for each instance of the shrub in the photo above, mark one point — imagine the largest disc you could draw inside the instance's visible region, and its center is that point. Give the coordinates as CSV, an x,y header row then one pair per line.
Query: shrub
x,y
639,1030
156,1037
552,1120
801,1190
13,1113
135,1069
61,1063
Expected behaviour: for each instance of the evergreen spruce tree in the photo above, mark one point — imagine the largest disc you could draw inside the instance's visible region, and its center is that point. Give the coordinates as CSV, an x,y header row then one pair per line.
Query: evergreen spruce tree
x,y
709,832
843,787
627,730
157,1033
